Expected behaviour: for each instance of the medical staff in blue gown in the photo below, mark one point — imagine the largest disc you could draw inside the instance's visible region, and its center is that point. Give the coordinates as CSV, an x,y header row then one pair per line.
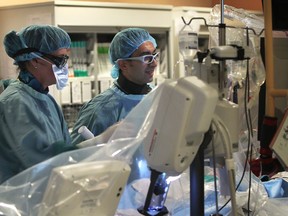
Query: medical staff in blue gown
x,y
134,57
32,127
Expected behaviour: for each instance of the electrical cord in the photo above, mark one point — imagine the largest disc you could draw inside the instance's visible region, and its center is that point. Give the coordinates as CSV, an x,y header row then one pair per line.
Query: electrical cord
x,y
249,129
250,145
214,172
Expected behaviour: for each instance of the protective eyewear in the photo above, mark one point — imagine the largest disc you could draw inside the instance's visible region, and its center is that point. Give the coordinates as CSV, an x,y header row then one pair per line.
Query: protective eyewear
x,y
146,59
59,61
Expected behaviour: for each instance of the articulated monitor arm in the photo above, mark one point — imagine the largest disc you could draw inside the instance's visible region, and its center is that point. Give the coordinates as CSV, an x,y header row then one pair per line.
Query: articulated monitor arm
x,y
182,118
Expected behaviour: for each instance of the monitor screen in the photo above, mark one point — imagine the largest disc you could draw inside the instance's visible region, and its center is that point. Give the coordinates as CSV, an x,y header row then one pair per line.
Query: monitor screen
x,y
279,15
279,143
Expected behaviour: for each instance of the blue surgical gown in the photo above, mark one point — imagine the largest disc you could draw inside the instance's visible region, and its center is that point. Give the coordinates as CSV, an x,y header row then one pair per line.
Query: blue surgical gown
x,y
103,111
32,129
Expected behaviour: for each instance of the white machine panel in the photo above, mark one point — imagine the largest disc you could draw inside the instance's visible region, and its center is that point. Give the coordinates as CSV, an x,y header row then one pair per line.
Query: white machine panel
x,y
183,116
85,189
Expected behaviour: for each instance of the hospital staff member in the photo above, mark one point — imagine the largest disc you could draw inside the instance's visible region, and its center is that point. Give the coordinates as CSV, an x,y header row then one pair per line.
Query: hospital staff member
x,y
32,127
134,57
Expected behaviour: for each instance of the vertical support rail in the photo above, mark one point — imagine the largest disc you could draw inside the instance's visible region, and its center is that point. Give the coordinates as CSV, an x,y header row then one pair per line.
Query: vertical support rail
x,y
222,64
269,62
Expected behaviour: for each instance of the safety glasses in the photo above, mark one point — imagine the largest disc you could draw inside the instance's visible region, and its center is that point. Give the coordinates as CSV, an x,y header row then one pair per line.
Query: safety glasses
x,y
146,59
59,61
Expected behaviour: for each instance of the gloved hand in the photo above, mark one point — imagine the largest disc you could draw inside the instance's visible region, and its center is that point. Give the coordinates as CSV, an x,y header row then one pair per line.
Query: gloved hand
x,y
101,138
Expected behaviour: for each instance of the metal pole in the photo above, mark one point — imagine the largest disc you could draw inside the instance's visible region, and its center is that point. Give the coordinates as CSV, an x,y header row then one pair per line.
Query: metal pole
x,y
197,184
222,64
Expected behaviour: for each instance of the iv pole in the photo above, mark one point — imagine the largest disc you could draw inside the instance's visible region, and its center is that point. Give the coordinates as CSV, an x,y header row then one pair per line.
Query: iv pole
x,y
222,41
197,166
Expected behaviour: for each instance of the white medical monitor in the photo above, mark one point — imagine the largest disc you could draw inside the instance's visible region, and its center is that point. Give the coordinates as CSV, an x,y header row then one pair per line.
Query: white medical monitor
x,y
85,189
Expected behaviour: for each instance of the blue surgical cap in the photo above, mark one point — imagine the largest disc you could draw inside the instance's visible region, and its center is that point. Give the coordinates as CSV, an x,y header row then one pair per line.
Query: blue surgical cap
x,y
125,43
22,45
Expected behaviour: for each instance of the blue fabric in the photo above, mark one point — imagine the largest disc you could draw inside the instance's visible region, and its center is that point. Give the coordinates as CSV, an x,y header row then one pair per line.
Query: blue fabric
x,y
32,129
44,38
103,111
6,82
276,188
30,80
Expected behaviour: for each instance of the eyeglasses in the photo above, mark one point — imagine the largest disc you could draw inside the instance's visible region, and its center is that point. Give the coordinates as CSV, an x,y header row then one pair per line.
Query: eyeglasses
x,y
59,61
146,59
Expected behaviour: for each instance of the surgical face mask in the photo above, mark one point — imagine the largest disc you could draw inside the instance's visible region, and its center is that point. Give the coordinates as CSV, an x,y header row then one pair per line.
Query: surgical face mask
x,y
61,74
